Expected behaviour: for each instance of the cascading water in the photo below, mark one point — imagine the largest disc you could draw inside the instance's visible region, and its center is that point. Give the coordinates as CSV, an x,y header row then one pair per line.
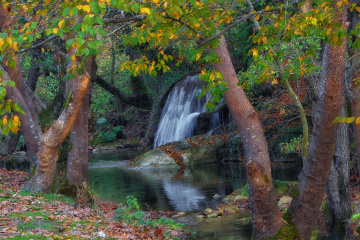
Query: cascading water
x,y
179,115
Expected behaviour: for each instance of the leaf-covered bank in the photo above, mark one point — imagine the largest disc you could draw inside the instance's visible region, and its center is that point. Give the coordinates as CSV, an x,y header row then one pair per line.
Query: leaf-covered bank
x,y
25,215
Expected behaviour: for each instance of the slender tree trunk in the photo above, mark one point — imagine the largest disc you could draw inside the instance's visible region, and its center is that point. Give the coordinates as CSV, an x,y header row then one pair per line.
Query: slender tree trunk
x,y
77,162
8,146
338,186
305,209
112,69
266,216
355,102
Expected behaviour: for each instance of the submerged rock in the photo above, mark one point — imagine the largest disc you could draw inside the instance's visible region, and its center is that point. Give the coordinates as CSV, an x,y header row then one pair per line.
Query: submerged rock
x,y
208,211
214,214
228,208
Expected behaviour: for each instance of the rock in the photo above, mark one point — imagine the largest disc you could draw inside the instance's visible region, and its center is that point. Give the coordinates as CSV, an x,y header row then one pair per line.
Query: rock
x,y
216,196
229,208
284,202
194,151
234,199
208,211
214,214
153,159
200,216
101,234
182,145
179,214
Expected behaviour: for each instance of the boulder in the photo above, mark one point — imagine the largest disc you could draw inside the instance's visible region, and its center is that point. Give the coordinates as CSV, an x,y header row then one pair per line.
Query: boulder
x,y
284,202
153,159
189,152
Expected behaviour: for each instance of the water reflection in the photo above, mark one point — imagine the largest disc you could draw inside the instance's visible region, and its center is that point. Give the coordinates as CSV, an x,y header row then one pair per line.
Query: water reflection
x,y
189,190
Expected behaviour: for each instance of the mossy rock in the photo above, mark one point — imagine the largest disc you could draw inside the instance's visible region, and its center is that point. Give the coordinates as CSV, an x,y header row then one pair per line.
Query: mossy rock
x,y
229,208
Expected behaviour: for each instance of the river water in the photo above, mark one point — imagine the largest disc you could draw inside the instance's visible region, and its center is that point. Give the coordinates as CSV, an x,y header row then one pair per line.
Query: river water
x,y
189,191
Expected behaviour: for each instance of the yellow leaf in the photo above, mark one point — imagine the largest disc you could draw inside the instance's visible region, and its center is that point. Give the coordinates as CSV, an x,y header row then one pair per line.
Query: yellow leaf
x,y
16,118
55,30
357,8
4,120
357,120
86,8
9,40
339,3
335,38
73,57
145,11
264,39
328,31
198,55
274,81
255,52
267,7
151,68
16,46
61,24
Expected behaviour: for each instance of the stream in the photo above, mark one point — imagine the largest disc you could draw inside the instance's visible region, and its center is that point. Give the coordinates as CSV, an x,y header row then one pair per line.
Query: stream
x,y
189,191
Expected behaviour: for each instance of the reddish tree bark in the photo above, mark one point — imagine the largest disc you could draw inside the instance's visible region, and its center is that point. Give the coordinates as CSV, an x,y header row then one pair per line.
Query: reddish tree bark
x,y
77,162
305,209
266,216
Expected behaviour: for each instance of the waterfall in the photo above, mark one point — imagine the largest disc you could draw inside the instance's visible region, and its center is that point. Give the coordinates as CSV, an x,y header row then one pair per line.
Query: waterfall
x,y
179,115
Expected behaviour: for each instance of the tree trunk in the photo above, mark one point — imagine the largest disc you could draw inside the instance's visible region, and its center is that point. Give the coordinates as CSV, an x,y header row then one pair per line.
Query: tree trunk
x,y
266,216
355,102
305,209
8,146
53,137
77,162
338,185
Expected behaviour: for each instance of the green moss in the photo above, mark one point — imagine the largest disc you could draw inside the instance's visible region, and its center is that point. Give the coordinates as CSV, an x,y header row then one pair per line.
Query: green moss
x,y
266,178
288,188
286,232
245,191
32,172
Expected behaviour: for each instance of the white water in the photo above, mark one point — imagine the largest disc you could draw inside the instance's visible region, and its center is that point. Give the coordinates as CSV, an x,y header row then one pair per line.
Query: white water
x,y
179,115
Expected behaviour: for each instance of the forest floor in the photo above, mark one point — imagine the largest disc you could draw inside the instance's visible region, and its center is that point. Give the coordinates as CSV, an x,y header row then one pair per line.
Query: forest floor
x,y
25,215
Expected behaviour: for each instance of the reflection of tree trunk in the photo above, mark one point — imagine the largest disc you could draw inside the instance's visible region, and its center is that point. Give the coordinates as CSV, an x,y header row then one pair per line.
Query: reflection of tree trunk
x,y
53,137
338,194
265,211
305,209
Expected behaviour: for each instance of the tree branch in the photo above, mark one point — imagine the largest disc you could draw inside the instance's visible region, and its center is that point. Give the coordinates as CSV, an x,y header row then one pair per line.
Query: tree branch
x,y
128,99
247,16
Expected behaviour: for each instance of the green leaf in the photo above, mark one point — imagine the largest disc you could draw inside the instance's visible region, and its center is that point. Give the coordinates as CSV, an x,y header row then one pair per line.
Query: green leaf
x,y
135,7
66,11
99,20
6,131
11,83
355,217
74,11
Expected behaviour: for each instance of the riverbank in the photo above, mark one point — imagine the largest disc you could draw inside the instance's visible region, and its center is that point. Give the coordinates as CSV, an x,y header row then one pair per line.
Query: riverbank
x,y
25,215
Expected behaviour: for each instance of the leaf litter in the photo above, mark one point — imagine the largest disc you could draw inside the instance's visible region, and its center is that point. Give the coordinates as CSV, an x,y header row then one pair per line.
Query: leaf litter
x,y
25,215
